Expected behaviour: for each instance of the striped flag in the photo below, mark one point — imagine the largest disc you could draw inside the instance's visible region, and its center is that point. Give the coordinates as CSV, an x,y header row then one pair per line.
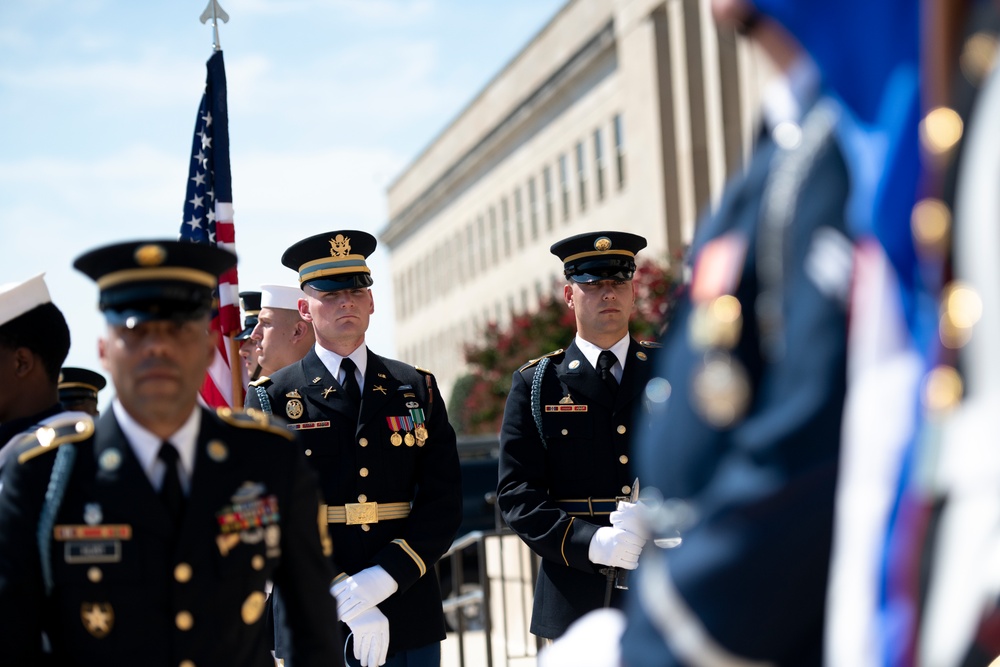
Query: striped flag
x,y
208,218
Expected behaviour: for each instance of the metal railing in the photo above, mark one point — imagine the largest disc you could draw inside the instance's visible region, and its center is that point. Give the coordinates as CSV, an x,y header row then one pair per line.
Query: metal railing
x,y
489,612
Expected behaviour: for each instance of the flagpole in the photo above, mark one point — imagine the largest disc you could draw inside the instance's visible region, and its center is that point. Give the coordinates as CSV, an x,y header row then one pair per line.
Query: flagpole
x,y
235,365
215,12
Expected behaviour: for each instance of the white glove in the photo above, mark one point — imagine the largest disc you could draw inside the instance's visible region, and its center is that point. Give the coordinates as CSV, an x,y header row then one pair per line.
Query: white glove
x,y
615,547
632,517
371,637
360,592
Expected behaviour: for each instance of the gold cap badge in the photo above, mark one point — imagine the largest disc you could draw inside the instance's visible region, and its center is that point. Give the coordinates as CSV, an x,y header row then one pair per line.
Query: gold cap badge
x,y
150,255
340,246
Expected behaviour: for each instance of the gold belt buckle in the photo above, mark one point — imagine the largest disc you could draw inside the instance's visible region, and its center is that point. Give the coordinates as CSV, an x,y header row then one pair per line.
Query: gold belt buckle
x,y
361,513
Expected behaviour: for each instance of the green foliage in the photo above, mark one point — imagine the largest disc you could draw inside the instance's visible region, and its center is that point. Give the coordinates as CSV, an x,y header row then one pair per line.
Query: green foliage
x,y
477,400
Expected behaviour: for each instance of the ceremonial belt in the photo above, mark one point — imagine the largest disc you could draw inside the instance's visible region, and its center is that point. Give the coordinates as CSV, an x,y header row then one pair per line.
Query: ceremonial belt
x,y
359,513
588,506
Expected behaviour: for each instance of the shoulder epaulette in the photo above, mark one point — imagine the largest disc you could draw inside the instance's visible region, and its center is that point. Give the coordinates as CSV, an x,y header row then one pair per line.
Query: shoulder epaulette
x,y
535,361
653,345
423,370
251,418
259,381
55,433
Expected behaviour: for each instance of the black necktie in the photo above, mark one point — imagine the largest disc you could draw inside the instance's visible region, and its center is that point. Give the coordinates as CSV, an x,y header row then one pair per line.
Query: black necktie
x,y
170,491
350,382
605,361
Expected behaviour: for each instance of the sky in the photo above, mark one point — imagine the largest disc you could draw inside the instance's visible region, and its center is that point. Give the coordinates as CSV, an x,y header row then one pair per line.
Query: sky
x,y
329,101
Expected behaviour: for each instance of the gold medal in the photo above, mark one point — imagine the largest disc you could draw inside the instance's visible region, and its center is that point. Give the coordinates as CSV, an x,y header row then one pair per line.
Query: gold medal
x,y
396,439
409,439
294,409
421,432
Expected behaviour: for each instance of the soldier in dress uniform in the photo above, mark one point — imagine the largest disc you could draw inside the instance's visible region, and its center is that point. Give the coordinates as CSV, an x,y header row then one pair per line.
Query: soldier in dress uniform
x,y
376,430
566,439
282,335
78,389
34,342
147,538
249,352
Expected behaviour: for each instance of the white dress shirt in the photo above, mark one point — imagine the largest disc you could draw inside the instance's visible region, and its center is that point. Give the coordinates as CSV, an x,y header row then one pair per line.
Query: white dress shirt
x,y
146,446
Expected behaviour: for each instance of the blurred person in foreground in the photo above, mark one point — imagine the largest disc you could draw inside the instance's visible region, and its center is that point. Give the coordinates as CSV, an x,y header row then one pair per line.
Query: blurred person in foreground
x,y
745,410
148,537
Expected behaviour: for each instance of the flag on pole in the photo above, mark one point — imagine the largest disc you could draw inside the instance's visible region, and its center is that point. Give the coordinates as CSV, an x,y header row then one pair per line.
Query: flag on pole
x,y
208,218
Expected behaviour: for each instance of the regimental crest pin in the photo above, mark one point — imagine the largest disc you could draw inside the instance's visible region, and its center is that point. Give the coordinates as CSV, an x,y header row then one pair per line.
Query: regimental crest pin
x,y
110,460
573,365
217,451
640,355
294,409
92,514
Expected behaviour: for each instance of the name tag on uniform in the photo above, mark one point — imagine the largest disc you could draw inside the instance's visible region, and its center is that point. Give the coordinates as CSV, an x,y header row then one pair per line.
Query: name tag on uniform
x,y
94,552
304,426
575,407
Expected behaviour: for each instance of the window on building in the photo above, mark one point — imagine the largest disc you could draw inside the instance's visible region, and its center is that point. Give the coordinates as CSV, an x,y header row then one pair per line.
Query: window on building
x,y
524,299
470,250
581,176
456,247
494,237
539,291
397,284
564,185
505,221
547,184
443,267
481,234
410,291
533,207
599,163
619,151
519,218
498,312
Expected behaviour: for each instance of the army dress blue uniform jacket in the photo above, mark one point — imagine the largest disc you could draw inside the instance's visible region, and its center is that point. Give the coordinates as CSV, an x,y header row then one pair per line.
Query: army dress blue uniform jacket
x,y
752,569
357,462
124,592
544,486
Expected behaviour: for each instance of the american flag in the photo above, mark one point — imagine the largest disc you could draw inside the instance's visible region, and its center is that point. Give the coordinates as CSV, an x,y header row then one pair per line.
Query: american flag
x,y
208,218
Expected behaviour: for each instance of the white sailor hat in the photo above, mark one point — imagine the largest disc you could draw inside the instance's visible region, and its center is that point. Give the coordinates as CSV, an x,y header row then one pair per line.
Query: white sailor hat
x,y
18,298
280,296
